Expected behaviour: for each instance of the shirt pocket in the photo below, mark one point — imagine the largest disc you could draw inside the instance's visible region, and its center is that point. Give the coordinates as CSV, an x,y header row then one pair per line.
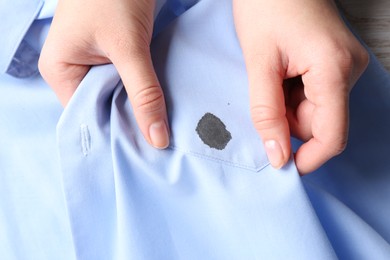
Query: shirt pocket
x,y
202,72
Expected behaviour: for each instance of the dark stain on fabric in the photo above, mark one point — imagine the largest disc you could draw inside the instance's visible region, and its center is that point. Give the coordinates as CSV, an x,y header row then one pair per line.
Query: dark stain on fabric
x,y
212,131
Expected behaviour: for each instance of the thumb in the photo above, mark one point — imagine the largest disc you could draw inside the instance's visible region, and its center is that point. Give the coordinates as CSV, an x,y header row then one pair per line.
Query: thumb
x,y
145,94
267,105
62,77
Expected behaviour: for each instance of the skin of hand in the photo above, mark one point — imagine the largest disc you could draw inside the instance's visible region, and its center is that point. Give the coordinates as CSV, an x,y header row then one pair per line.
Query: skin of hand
x,y
90,32
302,62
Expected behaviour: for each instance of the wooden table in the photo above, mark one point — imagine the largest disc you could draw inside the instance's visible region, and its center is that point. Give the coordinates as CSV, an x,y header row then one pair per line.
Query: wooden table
x,y
371,19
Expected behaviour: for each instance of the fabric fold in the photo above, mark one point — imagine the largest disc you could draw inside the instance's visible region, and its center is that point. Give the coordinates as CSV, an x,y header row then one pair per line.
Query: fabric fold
x,y
191,200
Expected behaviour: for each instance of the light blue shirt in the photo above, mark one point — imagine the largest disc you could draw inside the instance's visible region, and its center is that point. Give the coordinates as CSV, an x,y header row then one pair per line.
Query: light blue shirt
x,y
82,183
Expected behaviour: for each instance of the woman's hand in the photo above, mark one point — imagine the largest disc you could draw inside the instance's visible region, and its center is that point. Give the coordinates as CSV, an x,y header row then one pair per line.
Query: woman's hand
x,y
91,32
302,62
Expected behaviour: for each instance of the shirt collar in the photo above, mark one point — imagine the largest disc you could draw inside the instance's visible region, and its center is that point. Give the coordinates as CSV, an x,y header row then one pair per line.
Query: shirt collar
x,y
17,17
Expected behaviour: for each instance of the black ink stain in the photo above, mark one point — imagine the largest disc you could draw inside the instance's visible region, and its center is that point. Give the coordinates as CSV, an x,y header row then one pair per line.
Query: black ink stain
x,y
212,131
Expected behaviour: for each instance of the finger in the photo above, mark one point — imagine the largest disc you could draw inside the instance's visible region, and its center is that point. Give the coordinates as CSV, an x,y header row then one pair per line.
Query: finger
x,y
299,120
62,77
268,110
325,143
299,110
146,96
329,93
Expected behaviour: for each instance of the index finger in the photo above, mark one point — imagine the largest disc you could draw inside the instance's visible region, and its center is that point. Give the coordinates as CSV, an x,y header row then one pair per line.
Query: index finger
x,y
329,93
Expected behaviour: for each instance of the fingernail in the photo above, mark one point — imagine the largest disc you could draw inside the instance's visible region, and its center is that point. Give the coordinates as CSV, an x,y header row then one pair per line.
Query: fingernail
x,y
274,153
159,135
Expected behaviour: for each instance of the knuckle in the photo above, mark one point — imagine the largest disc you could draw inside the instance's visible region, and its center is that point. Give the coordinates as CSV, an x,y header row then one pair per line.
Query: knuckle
x,y
129,41
362,60
340,147
334,52
339,56
338,66
47,67
149,100
348,59
266,117
344,58
336,146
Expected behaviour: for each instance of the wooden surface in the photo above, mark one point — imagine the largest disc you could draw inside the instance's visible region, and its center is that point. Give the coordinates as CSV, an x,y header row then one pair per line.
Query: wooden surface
x,y
371,19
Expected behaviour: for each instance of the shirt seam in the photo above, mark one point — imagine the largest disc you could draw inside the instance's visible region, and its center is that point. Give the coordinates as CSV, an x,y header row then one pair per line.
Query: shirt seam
x,y
255,168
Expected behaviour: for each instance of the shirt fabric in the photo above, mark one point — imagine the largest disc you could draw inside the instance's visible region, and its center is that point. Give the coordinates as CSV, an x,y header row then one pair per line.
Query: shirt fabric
x,y
82,183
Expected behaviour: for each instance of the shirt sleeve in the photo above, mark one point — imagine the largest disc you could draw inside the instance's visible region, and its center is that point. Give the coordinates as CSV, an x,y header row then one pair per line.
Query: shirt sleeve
x,y
17,16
